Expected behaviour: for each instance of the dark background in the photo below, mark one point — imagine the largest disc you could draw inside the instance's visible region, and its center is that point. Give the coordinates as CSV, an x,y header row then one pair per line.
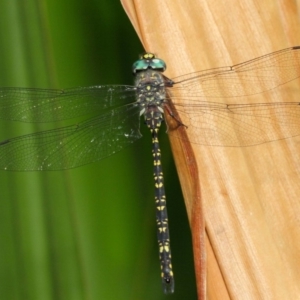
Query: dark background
x,y
85,233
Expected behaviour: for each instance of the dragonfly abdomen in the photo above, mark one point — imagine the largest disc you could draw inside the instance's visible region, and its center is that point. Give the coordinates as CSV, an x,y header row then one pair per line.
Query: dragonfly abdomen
x,y
161,207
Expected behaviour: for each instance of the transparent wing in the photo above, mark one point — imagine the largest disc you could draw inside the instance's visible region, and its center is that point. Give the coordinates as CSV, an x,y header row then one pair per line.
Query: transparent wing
x,y
47,105
72,146
219,124
248,78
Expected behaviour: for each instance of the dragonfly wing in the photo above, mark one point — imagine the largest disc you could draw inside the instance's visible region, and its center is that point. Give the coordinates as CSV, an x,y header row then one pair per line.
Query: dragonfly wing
x,y
47,105
219,124
75,145
249,78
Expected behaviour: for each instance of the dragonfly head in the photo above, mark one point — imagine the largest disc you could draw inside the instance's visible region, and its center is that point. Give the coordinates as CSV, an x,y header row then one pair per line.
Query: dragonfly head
x,y
148,61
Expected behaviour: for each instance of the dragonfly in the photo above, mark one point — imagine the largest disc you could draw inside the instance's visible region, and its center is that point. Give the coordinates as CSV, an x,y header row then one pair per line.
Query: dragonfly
x,y
116,110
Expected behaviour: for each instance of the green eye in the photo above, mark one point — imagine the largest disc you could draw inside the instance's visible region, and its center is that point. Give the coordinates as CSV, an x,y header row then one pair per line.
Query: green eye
x,y
159,64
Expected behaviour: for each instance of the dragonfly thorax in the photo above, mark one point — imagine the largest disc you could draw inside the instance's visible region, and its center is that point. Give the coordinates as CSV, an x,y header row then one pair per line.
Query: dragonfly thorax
x,y
151,95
